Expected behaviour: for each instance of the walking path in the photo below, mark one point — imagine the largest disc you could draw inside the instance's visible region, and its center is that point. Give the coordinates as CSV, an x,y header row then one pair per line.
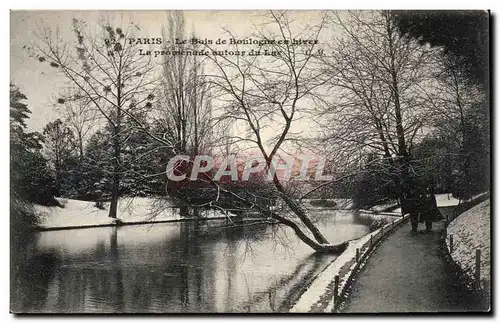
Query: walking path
x,y
407,273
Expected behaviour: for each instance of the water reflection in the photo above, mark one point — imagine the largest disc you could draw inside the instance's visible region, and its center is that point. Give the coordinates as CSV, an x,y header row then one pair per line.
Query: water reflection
x,y
172,267
31,273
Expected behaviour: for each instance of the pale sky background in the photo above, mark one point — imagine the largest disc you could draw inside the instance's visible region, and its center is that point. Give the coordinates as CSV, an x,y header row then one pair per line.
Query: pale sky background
x,y
41,84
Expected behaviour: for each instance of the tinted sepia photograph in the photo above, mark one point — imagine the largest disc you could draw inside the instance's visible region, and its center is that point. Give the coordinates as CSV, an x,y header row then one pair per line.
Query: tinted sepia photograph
x,y
258,161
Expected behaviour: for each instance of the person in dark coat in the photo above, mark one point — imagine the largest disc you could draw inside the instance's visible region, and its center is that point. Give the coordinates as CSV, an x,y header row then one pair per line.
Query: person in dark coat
x,y
428,210
411,206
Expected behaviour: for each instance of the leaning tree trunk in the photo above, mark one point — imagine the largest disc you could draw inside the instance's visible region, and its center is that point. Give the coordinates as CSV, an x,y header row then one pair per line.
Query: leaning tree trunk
x,y
318,247
320,244
300,213
115,189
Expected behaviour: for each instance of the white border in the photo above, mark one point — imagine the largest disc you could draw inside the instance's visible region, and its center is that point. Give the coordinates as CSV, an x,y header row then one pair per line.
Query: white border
x,y
189,4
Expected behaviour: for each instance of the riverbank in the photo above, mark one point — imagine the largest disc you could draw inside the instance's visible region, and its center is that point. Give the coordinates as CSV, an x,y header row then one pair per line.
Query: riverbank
x,y
135,210
138,210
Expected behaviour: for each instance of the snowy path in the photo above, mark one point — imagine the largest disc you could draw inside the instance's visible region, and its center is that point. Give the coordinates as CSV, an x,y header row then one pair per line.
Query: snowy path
x,y
407,273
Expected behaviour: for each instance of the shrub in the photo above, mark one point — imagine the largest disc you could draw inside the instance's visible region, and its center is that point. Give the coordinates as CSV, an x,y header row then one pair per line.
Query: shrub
x,y
23,219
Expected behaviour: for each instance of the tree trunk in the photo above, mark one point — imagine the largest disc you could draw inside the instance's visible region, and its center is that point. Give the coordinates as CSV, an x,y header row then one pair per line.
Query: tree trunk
x,y
184,211
114,197
318,247
300,213
403,160
80,144
115,189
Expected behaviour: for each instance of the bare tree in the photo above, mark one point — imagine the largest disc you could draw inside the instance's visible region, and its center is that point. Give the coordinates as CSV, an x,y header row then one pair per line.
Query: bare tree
x,y
381,79
264,91
460,120
59,145
184,100
453,95
183,113
107,70
80,115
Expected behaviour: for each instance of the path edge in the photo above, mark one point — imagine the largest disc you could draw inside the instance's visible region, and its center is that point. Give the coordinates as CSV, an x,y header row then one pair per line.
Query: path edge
x,y
366,253
346,267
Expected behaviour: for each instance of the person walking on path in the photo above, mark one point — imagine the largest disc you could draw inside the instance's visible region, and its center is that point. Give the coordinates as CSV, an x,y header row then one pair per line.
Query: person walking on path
x,y
422,206
429,212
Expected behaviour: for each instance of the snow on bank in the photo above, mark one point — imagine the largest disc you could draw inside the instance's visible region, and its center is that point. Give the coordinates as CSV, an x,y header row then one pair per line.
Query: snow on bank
x,y
373,213
384,207
319,295
339,204
446,199
397,210
471,231
130,210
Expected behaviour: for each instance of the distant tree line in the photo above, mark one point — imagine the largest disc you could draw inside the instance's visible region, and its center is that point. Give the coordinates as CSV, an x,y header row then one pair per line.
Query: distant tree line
x,y
401,117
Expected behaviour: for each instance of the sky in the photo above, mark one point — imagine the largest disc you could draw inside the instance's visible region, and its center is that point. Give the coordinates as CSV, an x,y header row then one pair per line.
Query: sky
x,y
41,84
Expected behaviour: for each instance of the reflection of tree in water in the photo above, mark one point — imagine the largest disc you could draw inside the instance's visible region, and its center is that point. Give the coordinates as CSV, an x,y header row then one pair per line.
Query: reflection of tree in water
x,y
96,275
105,279
193,267
197,261
363,219
31,274
280,296
71,291
189,251
246,234
118,299
179,280
99,278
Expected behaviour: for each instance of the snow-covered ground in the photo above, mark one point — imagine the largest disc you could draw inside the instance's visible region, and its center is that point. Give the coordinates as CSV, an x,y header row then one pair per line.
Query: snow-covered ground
x,y
471,231
384,207
130,210
341,204
444,200
447,200
392,213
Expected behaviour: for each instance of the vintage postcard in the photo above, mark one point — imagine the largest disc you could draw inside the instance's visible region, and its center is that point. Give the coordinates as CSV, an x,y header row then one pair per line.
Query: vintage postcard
x,y
265,161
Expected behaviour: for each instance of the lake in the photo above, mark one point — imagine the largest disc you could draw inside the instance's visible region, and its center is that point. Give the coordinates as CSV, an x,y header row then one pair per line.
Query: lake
x,y
188,267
